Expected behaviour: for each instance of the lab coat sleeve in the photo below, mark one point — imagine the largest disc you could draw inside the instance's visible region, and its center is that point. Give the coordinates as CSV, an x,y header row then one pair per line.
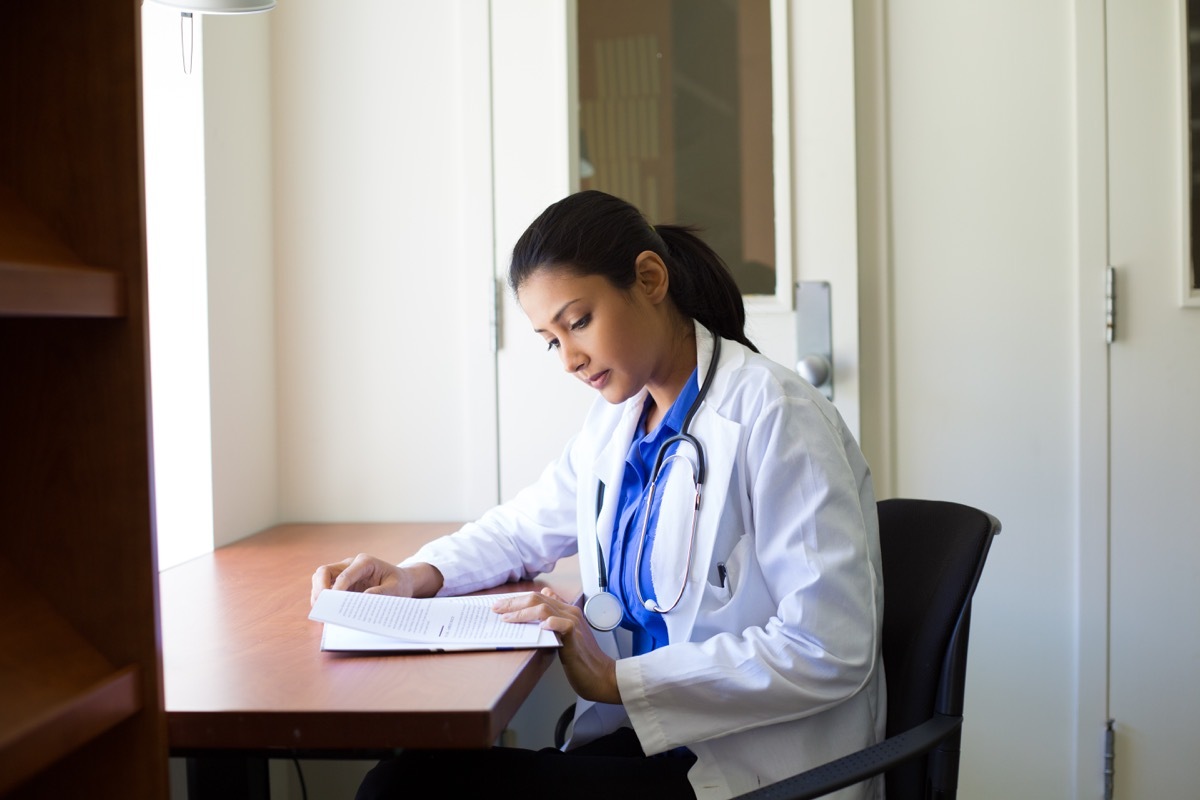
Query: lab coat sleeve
x,y
517,540
805,488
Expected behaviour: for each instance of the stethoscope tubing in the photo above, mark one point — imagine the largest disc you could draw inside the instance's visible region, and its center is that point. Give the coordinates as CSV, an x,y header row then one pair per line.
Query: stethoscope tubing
x,y
652,605
603,610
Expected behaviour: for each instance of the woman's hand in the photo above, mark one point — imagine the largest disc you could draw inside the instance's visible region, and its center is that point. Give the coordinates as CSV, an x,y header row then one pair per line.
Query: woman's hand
x,y
590,671
364,573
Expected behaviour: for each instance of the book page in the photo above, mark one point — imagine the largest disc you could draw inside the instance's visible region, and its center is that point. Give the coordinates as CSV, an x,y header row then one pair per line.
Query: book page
x,y
435,620
335,638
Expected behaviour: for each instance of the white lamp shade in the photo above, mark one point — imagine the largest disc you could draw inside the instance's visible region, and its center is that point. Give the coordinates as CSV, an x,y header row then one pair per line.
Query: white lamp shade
x,y
220,6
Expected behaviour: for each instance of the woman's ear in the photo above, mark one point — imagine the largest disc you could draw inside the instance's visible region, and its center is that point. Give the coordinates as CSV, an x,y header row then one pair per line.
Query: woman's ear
x,y
653,279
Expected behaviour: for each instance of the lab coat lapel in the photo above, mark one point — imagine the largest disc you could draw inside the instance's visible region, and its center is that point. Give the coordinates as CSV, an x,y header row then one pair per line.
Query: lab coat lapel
x,y
609,469
719,438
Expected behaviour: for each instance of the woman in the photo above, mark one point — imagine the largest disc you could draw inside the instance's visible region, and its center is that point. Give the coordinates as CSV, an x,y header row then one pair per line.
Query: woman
x,y
748,648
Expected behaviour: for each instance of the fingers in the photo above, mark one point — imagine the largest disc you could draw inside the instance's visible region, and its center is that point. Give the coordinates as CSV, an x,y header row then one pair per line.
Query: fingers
x,y
392,588
350,574
535,613
538,608
564,624
520,603
361,573
529,599
325,576
589,670
561,625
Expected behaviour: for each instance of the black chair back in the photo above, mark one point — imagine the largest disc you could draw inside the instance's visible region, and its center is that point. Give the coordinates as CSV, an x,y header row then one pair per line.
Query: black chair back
x,y
933,553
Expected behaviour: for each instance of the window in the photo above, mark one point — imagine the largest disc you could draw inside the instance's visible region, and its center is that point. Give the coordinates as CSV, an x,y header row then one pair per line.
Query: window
x,y
177,282
675,116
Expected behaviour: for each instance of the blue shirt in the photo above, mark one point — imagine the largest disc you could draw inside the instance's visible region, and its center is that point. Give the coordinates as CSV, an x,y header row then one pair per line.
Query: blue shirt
x,y
649,629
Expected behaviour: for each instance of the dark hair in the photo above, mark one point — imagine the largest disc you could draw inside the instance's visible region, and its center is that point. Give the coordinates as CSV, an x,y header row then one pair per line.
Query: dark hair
x,y
594,233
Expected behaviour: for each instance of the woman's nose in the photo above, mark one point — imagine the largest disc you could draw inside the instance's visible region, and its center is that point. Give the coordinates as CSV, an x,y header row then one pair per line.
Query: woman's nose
x,y
573,360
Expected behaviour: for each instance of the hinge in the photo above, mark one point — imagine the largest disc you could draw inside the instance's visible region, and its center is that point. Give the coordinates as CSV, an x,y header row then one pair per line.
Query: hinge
x,y
1110,305
496,316
1109,756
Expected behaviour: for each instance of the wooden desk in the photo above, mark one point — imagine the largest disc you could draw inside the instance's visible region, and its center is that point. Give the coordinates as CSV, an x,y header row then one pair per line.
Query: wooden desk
x,y
243,669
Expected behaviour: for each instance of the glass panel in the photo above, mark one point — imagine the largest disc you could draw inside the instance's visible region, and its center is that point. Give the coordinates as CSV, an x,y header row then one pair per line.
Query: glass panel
x,y
675,117
1193,62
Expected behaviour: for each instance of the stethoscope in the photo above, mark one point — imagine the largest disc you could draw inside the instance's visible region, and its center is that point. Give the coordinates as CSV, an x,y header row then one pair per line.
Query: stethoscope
x,y
603,610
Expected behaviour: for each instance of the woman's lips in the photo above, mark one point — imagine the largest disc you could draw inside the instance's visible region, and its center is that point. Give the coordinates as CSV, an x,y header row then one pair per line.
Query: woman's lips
x,y
598,380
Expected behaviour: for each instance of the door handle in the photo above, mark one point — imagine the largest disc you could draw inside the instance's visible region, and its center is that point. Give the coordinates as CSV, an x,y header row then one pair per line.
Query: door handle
x,y
814,335
815,369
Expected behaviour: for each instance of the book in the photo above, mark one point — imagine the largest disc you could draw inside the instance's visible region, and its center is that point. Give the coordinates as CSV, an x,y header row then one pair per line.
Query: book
x,y
358,622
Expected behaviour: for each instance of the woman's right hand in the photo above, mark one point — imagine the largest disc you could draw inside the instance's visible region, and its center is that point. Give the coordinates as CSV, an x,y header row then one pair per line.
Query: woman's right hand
x,y
364,573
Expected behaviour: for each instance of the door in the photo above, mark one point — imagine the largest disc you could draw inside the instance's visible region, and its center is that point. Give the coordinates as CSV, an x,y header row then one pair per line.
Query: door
x,y
1154,401
535,163
537,160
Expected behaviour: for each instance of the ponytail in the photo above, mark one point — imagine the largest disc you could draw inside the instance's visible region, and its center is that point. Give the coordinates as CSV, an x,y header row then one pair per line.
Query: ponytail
x,y
701,284
593,233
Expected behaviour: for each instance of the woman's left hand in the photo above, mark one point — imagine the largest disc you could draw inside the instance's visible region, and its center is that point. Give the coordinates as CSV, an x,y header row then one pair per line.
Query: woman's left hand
x,y
590,671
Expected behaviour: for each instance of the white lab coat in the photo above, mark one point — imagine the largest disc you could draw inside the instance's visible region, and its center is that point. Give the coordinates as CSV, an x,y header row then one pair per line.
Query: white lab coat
x,y
778,669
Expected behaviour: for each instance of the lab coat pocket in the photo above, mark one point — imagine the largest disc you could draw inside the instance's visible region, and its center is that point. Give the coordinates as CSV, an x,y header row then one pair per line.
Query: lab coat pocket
x,y
725,575
731,570
738,603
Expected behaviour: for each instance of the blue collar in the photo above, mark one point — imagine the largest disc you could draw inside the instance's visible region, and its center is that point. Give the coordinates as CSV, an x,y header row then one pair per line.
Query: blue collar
x,y
671,424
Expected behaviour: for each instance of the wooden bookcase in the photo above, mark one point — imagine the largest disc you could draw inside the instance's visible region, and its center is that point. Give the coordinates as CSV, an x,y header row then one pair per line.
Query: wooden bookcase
x,y
81,710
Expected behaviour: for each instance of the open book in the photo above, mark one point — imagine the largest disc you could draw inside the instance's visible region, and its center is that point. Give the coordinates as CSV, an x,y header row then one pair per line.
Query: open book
x,y
381,623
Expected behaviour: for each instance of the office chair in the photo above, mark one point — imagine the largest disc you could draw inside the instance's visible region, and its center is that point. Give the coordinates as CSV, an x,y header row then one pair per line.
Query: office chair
x,y
933,554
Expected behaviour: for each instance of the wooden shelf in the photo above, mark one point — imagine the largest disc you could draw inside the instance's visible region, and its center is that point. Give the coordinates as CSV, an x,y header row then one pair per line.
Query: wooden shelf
x,y
80,678
58,692
41,276
33,743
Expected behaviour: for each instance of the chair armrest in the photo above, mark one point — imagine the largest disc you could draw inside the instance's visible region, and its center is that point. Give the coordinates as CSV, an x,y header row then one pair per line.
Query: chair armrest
x,y
859,766
560,728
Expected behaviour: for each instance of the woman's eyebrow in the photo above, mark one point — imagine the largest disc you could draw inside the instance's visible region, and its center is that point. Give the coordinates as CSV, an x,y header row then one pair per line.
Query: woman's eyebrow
x,y
561,311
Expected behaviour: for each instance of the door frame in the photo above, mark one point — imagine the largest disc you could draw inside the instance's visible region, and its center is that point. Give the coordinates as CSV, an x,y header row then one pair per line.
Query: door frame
x,y
1093,488
818,203
1146,156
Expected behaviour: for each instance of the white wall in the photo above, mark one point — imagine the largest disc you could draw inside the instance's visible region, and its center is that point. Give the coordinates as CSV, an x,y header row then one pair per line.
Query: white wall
x,y
383,366
980,323
208,190
241,315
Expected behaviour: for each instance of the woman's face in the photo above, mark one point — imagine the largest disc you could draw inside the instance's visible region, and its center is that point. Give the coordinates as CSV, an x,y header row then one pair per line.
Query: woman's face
x,y
611,339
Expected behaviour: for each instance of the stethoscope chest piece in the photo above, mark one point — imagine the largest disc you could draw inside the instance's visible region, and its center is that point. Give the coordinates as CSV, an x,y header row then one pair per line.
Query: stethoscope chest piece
x,y
603,611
